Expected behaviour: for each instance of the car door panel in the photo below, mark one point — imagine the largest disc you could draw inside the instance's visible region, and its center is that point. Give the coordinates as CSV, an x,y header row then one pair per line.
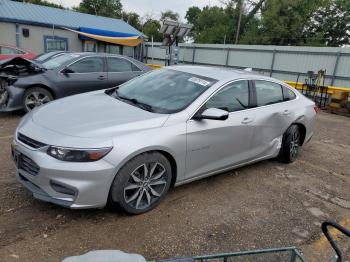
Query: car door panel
x,y
213,145
217,144
272,120
86,76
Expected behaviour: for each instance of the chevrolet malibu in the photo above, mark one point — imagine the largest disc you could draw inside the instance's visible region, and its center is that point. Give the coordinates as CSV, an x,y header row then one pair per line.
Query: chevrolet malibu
x,y
128,145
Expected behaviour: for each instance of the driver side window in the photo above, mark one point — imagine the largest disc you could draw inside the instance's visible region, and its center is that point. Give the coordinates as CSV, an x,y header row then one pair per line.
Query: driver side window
x,y
233,97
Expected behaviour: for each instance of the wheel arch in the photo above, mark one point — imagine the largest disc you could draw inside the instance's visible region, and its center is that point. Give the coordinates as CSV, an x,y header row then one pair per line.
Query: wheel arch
x,y
47,88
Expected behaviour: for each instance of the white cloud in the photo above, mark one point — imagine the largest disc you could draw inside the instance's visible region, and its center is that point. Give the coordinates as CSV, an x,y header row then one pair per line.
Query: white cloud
x,y
154,7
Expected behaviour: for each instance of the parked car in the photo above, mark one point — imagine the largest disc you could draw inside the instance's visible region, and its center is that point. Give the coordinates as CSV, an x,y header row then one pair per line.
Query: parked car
x,y
28,84
171,126
47,56
7,52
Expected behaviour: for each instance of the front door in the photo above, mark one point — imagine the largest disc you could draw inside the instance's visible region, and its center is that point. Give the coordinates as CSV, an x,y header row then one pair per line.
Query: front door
x,y
217,144
85,75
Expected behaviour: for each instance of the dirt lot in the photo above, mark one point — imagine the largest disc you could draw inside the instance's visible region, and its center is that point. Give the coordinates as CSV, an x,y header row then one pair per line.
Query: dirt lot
x,y
268,204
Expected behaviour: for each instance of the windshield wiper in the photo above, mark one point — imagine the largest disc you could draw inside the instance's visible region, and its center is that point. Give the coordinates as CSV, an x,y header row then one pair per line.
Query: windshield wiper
x,y
135,102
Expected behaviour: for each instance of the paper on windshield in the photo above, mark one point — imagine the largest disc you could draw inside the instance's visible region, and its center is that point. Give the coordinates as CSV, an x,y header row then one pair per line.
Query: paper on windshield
x,y
199,81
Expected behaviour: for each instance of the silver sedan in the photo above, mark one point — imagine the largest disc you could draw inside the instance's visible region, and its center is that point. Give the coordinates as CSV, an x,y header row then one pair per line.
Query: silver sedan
x,y
128,145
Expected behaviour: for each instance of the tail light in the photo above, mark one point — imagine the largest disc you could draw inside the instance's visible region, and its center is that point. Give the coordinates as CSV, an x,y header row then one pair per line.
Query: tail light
x,y
316,109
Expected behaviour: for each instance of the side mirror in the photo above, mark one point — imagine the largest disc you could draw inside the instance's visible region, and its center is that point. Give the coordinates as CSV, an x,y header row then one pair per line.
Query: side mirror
x,y
67,71
213,114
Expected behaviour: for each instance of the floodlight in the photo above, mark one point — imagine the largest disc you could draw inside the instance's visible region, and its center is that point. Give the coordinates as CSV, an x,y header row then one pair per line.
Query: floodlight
x,y
169,27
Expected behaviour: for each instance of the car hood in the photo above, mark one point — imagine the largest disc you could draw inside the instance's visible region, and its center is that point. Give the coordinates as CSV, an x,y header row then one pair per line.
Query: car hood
x,y
95,114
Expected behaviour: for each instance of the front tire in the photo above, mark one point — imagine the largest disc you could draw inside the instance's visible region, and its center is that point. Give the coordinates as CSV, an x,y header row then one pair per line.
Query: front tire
x,y
141,183
290,145
34,97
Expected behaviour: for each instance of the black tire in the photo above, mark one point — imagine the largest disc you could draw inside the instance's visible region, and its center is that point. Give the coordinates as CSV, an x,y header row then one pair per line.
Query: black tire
x,y
34,97
290,145
130,182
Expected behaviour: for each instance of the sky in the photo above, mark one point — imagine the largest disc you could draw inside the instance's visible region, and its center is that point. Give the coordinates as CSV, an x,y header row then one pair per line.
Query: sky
x,y
152,7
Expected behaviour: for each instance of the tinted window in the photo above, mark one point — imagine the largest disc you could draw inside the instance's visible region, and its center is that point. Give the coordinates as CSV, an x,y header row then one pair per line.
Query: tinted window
x,y
120,65
88,65
233,97
165,90
268,93
10,51
288,94
57,61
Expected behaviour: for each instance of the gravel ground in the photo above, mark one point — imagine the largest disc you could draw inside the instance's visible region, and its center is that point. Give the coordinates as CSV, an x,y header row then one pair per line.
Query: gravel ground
x,y
264,205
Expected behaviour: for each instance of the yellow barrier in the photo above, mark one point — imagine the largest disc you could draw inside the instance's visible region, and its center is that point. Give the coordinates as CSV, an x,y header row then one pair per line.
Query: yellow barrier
x,y
331,89
154,66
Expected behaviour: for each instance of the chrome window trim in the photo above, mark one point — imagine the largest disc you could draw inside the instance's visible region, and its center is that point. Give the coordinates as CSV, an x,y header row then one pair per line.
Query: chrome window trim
x,y
81,58
253,108
122,59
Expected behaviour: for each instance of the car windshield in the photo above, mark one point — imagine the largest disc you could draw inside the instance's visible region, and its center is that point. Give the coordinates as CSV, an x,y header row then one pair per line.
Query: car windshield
x,y
59,60
164,91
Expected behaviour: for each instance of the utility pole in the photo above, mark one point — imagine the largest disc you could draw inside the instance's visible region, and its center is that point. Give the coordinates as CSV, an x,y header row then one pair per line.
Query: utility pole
x,y
241,4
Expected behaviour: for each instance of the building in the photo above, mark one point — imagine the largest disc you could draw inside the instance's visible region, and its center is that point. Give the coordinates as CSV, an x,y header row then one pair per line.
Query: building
x,y
42,29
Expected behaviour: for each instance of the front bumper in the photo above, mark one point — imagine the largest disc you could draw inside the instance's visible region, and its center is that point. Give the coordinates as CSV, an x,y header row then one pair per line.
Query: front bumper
x,y
14,100
87,184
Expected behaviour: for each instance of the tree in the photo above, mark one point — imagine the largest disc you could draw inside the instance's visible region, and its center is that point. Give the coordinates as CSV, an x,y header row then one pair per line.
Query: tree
x,y
108,8
168,14
330,24
41,2
132,19
151,28
283,21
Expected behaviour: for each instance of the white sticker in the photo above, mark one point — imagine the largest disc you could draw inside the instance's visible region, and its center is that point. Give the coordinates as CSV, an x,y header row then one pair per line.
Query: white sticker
x,y
199,81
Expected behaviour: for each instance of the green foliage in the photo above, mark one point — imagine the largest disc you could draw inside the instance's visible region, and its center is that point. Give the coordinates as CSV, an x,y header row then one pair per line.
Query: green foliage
x,y
168,14
151,28
41,2
330,24
108,8
132,19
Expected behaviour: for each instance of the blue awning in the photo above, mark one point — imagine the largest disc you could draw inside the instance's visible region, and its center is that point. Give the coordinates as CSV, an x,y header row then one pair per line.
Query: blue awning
x,y
101,32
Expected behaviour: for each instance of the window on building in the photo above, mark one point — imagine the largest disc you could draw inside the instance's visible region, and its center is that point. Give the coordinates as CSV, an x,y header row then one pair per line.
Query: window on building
x,y
56,44
10,51
120,65
113,49
88,65
268,93
90,46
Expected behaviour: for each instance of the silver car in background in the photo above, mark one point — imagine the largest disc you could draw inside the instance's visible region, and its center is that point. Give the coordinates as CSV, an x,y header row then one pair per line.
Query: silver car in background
x,y
129,145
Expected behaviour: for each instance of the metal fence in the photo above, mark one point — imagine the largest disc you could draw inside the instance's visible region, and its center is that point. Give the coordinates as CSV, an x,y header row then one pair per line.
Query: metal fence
x,y
282,62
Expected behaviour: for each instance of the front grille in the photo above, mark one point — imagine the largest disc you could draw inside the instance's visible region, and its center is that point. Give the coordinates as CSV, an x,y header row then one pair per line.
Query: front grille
x,y
30,142
28,165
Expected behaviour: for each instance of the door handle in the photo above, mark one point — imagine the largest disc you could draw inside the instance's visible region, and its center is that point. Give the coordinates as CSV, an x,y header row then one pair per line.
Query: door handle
x,y
286,112
101,78
247,120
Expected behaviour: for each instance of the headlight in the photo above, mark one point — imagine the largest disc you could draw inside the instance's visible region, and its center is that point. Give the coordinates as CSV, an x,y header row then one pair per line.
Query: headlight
x,y
77,155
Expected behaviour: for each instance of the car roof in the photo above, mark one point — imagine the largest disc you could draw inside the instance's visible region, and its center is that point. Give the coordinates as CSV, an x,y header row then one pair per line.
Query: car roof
x,y
218,73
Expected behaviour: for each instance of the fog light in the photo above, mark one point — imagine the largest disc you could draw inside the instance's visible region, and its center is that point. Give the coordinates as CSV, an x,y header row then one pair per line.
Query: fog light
x,y
62,188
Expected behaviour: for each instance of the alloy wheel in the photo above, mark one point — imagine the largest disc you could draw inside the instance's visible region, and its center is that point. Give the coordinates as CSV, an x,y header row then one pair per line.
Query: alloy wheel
x,y
145,185
36,99
294,144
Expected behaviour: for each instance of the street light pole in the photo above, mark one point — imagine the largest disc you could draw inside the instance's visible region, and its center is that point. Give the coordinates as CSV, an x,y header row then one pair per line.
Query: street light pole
x,y
241,2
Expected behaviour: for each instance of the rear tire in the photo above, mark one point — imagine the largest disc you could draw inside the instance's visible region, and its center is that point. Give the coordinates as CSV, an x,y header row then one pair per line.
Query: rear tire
x,y
290,145
141,183
34,97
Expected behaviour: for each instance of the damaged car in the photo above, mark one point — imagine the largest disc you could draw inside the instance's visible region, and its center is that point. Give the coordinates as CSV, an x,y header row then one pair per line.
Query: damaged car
x,y
27,84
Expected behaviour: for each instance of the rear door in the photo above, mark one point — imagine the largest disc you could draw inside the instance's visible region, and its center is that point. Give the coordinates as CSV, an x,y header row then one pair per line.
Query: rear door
x,y
275,112
86,74
214,144
120,70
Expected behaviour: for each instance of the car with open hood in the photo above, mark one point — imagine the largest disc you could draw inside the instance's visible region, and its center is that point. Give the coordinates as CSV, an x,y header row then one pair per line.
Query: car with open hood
x,y
27,84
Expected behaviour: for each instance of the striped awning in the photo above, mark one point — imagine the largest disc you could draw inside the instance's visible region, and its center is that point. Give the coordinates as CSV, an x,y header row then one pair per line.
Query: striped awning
x,y
108,36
